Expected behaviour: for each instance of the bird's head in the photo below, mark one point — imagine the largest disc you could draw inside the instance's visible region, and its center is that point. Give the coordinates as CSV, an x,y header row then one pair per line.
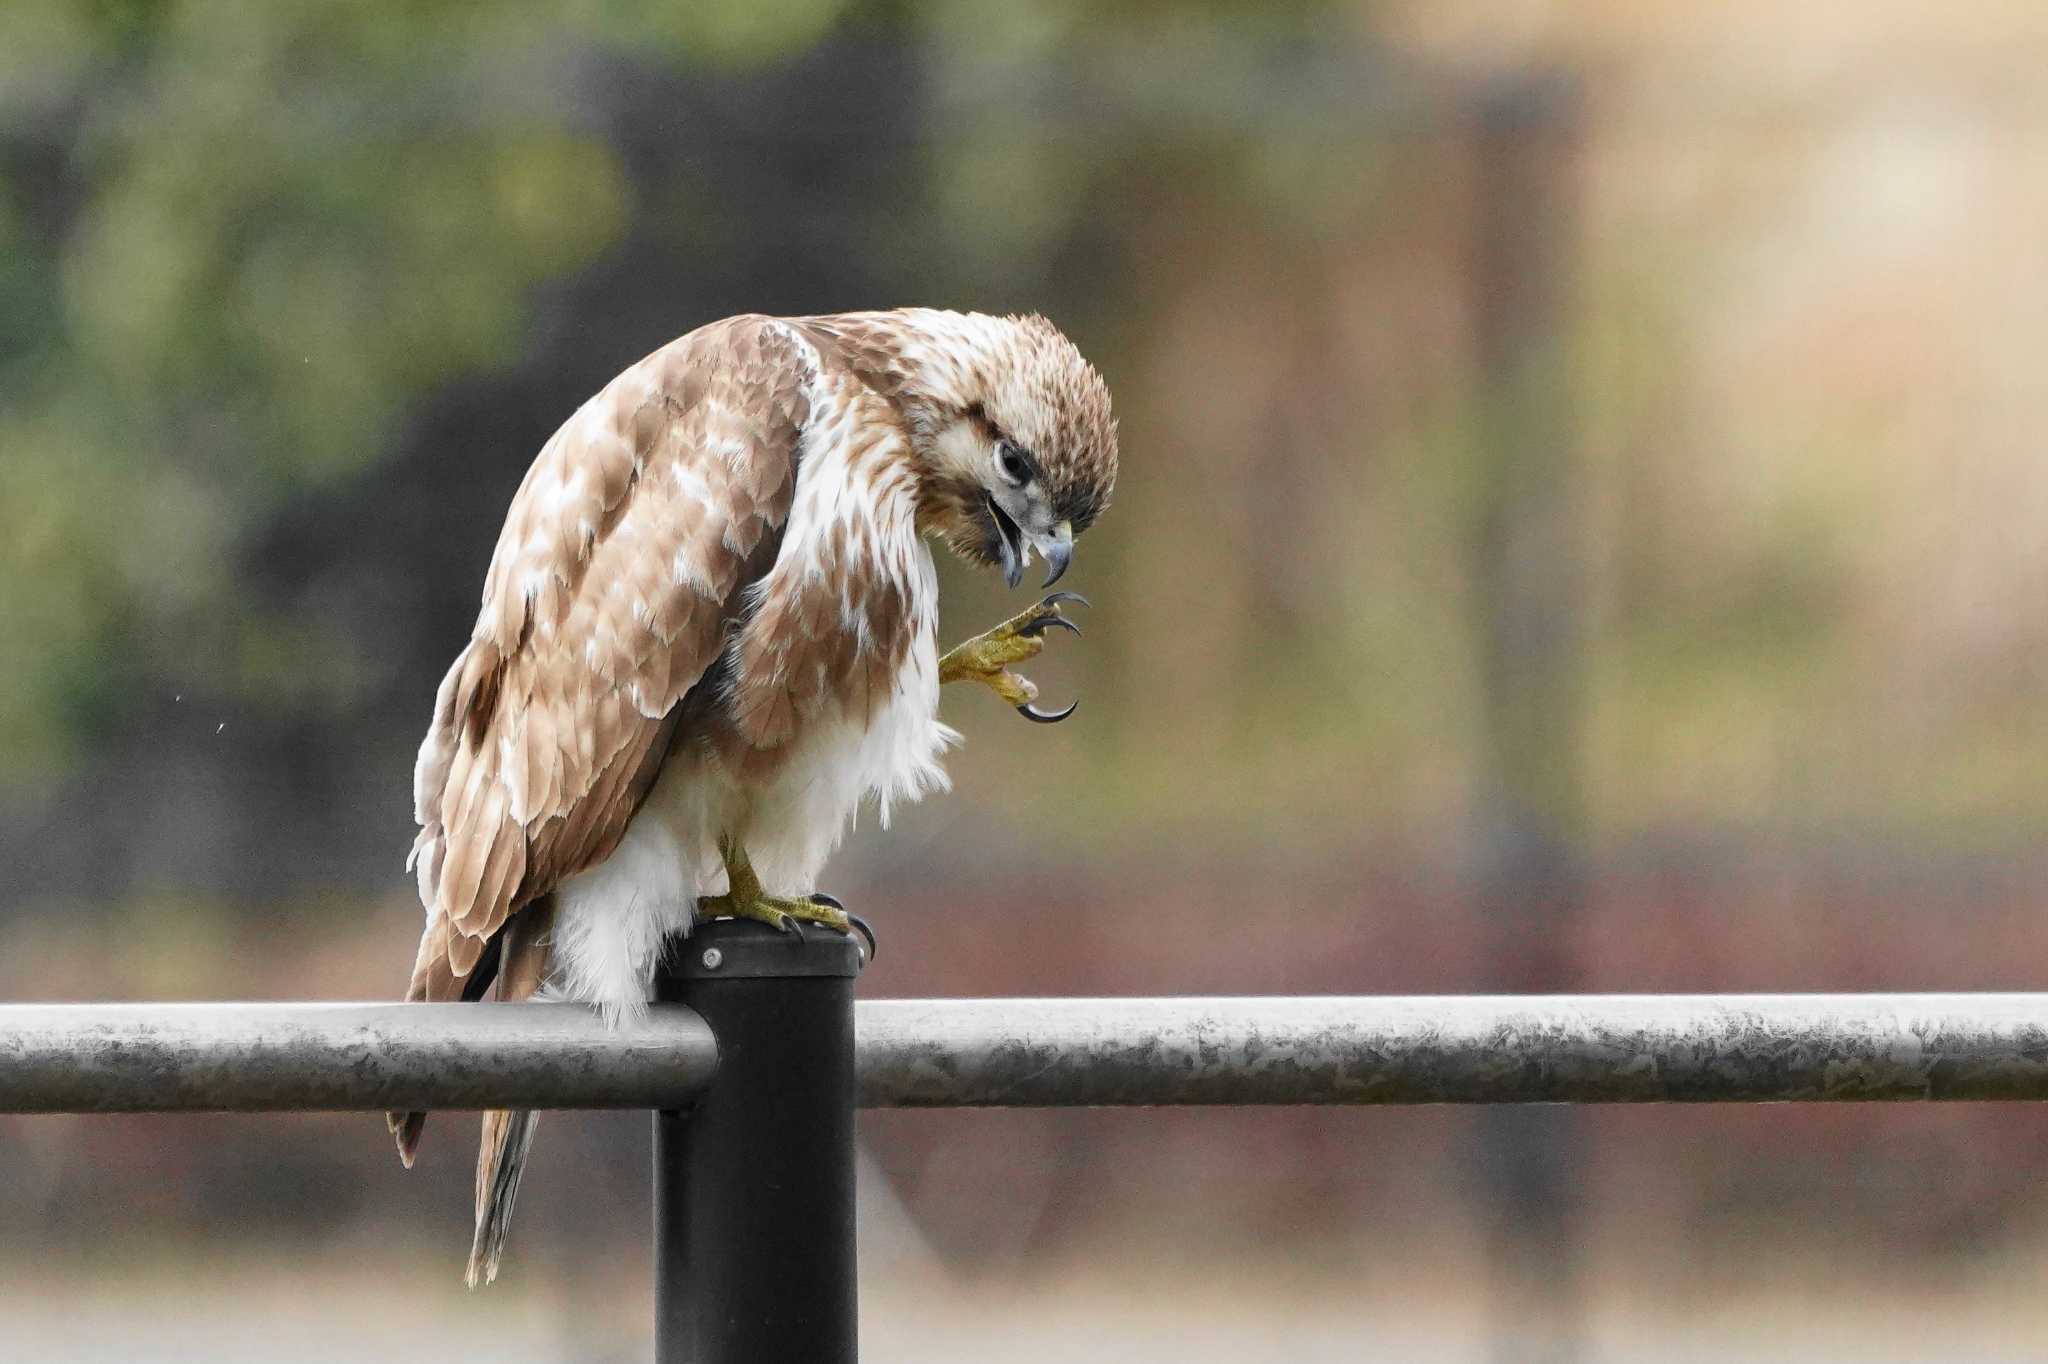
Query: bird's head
x,y
1017,443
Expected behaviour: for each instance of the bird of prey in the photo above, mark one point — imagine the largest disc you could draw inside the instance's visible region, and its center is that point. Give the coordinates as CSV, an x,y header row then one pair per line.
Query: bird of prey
x,y
708,634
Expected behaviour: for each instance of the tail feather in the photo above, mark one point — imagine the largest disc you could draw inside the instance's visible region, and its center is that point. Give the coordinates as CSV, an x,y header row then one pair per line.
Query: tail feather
x,y
432,982
508,1136
406,1129
516,959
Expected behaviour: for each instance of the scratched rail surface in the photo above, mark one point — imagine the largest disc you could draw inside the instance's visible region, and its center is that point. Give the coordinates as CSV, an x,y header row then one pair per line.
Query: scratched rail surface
x,y
1048,1052
1453,1049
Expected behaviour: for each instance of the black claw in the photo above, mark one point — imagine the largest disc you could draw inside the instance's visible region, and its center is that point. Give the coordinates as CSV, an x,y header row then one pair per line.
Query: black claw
x,y
819,897
789,924
1059,598
1044,623
1037,716
861,925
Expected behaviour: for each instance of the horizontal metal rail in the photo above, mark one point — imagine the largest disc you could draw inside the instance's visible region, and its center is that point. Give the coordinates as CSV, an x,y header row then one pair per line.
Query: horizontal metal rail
x,y
161,1058
1048,1052
1468,1049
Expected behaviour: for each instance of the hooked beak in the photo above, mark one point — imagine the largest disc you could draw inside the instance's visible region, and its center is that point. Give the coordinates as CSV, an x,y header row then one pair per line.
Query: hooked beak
x,y
1058,549
1057,545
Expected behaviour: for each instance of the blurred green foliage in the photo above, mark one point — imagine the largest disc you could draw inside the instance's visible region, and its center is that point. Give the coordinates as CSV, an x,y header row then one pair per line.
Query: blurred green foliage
x,y
242,238
277,224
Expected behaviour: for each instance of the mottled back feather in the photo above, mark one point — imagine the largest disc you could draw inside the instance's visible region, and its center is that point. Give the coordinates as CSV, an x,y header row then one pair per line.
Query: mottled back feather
x,y
615,581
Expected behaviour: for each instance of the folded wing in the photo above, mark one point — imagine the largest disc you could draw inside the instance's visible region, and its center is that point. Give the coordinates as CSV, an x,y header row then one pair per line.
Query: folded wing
x,y
609,596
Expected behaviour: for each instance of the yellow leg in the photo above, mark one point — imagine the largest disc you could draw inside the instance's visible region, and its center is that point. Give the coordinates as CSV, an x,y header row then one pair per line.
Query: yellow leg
x,y
744,899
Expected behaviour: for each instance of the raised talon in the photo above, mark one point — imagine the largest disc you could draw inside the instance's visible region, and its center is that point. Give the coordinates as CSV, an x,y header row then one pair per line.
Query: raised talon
x,y
819,897
986,657
1050,604
1044,623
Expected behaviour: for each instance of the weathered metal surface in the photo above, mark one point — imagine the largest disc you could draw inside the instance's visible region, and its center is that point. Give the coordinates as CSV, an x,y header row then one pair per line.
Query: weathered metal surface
x,y
142,1058
1452,1049
1048,1052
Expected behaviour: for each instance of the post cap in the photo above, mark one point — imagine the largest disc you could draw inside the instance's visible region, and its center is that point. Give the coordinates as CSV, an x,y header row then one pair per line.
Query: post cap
x,y
744,949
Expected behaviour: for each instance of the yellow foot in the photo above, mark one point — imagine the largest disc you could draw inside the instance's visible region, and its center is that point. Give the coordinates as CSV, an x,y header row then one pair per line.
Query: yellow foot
x,y
986,657
746,900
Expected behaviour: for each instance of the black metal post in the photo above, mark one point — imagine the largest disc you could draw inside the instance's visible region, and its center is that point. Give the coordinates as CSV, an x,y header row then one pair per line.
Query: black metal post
x,y
753,1187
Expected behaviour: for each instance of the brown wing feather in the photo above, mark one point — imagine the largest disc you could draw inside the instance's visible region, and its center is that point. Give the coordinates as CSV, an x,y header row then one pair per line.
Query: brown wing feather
x,y
608,597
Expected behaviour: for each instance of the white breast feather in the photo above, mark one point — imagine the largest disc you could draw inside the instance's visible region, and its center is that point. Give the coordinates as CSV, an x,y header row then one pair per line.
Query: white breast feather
x,y
612,919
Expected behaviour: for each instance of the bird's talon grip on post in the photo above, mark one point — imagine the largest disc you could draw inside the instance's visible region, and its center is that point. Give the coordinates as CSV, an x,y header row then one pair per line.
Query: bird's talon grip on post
x,y
861,926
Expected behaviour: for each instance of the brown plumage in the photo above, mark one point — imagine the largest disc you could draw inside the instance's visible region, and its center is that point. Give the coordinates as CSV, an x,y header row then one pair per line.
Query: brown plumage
x,y
546,730
710,614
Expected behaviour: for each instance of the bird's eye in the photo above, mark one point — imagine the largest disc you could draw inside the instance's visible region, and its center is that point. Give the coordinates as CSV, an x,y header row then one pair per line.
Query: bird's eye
x,y
1015,464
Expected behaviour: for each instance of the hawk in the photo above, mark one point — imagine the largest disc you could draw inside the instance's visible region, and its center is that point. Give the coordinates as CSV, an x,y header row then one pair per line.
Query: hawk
x,y
708,634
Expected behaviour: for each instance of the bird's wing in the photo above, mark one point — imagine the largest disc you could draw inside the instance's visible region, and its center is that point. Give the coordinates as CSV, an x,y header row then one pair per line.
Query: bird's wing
x,y
608,597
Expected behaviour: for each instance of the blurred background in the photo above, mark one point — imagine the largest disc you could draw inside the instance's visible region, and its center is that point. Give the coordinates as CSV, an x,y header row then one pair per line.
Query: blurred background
x,y
1583,526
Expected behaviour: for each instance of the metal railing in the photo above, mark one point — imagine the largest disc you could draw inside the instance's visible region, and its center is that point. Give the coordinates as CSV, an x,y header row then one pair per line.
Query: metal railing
x,y
755,1069
1046,1053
